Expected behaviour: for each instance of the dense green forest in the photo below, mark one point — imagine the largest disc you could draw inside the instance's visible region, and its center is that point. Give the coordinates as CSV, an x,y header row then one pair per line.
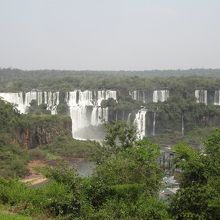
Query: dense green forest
x,y
55,80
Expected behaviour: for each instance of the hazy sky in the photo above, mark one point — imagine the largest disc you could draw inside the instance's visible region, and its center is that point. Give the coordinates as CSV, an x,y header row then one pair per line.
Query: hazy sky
x,y
110,34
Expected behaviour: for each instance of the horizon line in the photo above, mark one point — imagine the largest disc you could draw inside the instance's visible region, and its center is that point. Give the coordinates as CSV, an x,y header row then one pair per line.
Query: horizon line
x,y
96,70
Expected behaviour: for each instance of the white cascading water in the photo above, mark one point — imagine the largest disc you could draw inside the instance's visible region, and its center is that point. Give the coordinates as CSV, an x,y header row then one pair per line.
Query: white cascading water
x,y
39,98
85,108
129,118
160,95
134,94
140,122
217,98
52,100
16,99
23,100
30,96
201,96
154,124
139,95
182,119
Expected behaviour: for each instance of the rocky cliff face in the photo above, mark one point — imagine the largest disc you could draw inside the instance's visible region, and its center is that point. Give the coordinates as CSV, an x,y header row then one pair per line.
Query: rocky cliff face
x,y
41,130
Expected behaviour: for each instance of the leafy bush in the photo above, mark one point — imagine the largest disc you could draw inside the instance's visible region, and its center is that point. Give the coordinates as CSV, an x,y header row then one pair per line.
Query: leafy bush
x,y
68,147
199,195
13,160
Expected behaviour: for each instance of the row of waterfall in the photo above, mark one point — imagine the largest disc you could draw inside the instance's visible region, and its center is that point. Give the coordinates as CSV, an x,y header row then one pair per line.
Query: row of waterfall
x,y
217,98
150,96
22,100
201,96
205,97
85,107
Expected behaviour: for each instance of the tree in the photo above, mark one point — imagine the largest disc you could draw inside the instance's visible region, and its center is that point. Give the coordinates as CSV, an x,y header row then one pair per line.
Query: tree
x,y
34,108
120,135
63,109
127,180
194,203
199,195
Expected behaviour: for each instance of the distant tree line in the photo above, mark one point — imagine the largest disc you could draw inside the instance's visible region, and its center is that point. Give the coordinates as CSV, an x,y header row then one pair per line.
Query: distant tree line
x,y
58,80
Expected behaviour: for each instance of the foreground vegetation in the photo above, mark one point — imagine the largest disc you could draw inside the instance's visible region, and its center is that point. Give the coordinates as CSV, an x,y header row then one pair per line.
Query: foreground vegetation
x,y
9,215
125,184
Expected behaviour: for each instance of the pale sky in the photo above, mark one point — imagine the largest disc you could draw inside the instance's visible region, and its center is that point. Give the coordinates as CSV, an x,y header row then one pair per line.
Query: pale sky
x,y
110,34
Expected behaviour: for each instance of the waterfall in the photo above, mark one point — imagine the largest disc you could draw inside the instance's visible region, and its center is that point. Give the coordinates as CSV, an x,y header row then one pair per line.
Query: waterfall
x,y
146,96
160,95
52,102
129,118
182,119
77,102
201,96
39,98
94,116
99,115
105,115
85,108
85,98
111,94
154,124
78,116
139,95
16,99
71,98
140,122
29,97
134,94
155,96
23,100
217,98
